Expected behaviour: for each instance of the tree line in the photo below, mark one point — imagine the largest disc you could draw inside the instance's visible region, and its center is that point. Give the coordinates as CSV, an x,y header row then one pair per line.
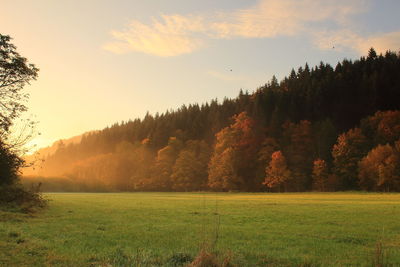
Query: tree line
x,y
322,128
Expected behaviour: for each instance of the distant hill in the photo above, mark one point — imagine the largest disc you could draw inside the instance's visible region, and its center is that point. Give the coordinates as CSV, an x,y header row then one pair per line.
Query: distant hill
x,y
45,152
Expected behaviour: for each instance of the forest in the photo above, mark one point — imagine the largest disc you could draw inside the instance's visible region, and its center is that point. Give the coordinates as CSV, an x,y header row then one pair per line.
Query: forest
x,y
324,128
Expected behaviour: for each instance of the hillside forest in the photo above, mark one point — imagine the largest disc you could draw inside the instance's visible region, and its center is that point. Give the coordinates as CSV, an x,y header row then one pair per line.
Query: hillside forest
x,y
324,128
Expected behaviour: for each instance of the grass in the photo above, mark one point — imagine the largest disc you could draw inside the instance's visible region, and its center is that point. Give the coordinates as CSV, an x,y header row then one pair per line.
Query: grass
x,y
169,229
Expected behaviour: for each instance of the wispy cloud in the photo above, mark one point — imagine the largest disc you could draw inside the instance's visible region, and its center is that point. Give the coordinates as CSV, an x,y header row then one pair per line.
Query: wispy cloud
x,y
343,39
338,39
169,36
382,42
172,35
272,18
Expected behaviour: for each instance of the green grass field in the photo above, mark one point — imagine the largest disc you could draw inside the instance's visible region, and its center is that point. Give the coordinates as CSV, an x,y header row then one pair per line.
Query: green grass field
x,y
167,229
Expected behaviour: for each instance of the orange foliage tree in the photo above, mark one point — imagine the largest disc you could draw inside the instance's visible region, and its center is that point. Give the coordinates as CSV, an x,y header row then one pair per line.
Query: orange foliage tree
x,y
349,149
190,169
277,174
383,127
380,169
165,160
233,163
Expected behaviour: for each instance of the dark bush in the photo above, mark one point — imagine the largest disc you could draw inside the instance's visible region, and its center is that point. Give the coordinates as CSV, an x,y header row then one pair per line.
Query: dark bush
x,y
15,197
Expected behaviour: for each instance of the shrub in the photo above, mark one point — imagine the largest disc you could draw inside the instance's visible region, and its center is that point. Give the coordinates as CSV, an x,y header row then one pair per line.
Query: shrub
x,y
15,197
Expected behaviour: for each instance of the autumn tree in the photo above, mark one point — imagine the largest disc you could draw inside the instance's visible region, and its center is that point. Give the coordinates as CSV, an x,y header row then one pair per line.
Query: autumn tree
x,y
233,163
164,163
190,169
383,127
144,162
380,169
222,173
349,149
320,175
125,163
268,146
277,174
298,146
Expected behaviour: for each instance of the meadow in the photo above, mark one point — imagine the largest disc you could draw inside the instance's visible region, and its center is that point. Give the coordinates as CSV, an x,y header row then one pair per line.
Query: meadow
x,y
169,229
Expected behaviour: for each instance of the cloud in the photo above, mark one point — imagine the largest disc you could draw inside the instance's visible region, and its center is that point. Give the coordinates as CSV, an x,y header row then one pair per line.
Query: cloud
x,y
173,35
339,39
170,36
271,18
382,42
343,39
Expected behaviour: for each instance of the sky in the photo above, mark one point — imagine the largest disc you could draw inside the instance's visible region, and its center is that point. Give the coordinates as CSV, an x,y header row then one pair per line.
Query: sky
x,y
103,62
